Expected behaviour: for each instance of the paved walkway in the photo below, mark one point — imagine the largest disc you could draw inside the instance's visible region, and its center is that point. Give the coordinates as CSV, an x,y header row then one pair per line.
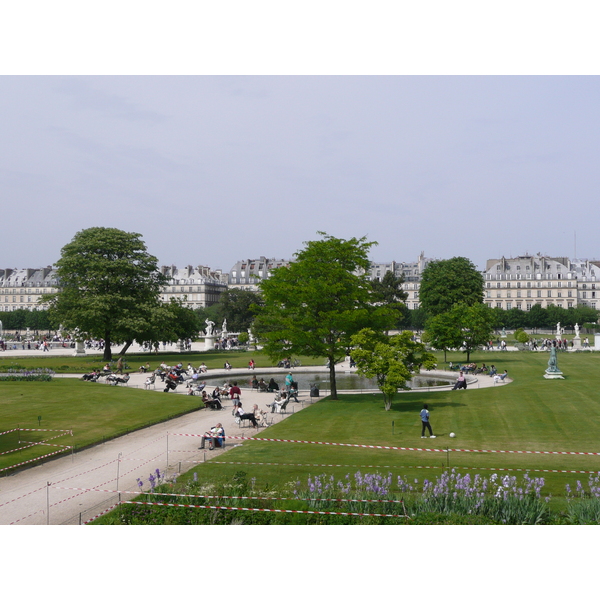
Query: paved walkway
x,y
66,490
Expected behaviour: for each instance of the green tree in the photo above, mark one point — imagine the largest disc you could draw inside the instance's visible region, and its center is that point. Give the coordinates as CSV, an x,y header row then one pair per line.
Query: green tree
x,y
109,286
463,326
391,360
170,322
537,317
389,292
447,282
314,305
237,306
443,333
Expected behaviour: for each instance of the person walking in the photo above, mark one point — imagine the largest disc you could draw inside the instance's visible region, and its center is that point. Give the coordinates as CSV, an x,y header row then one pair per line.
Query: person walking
x,y
425,422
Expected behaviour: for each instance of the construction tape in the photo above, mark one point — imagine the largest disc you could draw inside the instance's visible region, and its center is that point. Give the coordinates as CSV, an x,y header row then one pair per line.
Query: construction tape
x,y
34,459
523,470
138,492
275,510
109,509
549,452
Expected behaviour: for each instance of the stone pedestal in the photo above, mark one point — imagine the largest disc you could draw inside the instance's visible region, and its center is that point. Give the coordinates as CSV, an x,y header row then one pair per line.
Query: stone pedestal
x,y
79,349
209,342
556,374
180,346
577,343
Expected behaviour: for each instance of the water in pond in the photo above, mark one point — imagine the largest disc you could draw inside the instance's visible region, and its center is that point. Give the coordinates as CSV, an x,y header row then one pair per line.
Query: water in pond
x,y
344,381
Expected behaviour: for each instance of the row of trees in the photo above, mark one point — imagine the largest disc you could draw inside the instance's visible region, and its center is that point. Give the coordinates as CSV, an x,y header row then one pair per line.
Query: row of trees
x,y
21,319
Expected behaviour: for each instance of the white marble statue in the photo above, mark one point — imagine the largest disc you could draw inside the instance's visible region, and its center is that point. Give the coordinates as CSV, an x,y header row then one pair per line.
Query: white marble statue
x,y
224,328
576,330
209,327
558,329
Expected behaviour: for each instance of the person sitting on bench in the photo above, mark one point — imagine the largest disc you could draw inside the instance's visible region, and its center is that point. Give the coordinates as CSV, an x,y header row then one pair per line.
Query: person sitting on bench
x,y
461,382
244,416
215,437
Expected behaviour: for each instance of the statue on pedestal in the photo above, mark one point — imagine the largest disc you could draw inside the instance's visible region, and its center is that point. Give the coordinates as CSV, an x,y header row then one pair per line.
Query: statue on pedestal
x,y
553,372
209,328
576,330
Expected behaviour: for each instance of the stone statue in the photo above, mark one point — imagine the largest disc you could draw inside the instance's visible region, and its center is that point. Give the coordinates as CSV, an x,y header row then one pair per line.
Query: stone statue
x,y
576,330
553,372
224,328
558,329
552,362
1,330
209,327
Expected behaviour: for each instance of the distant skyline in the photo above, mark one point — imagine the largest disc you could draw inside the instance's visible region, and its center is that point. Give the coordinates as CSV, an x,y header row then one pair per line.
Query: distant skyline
x,y
214,169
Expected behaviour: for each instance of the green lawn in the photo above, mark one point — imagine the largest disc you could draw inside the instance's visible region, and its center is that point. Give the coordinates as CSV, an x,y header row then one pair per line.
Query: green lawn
x,y
94,412
85,364
530,414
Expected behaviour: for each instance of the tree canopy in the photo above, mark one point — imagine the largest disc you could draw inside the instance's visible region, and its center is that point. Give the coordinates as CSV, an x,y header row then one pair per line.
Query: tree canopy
x,y
391,360
313,306
109,286
447,282
463,326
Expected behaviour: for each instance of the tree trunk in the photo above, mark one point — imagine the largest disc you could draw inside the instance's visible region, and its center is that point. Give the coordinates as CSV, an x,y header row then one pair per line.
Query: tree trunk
x,y
107,349
332,381
126,347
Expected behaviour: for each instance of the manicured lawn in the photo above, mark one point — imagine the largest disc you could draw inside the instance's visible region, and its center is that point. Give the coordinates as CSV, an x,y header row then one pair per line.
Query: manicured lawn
x,y
93,411
85,364
530,414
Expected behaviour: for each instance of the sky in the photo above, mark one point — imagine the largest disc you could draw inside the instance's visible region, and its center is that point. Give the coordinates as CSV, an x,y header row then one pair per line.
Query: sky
x,y
214,169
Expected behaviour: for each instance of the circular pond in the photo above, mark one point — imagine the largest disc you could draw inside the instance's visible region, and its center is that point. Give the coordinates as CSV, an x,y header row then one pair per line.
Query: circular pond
x,y
344,381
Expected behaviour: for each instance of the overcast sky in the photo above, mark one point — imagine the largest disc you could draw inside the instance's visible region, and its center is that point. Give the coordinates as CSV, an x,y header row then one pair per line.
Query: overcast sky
x,y
213,169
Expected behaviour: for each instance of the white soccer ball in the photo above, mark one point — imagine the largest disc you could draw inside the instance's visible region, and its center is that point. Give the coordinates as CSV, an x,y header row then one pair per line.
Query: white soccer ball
x,y
452,435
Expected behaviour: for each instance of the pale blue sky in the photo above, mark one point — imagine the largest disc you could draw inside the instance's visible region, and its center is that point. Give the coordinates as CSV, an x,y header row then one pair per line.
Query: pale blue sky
x,y
212,169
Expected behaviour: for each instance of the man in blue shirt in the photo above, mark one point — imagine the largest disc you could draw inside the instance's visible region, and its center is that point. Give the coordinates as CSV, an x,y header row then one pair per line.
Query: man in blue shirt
x,y
425,422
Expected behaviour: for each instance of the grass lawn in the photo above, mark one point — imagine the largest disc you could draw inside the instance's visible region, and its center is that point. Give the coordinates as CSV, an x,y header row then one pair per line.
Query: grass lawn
x,y
530,414
93,411
85,364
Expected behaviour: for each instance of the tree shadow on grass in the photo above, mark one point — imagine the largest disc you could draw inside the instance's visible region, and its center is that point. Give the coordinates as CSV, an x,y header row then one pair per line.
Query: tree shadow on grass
x,y
416,405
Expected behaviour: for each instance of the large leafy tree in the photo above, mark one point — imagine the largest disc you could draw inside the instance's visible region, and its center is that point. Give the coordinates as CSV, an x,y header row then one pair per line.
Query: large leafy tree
x,y
314,305
109,286
389,292
446,282
464,326
443,332
391,360
237,307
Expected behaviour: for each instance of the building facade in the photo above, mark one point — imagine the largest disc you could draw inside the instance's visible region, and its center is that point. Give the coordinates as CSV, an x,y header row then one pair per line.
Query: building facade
x,y
525,281
412,276
247,274
195,287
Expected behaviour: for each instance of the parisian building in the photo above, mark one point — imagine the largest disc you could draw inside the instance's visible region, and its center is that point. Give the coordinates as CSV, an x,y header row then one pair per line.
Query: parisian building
x,y
411,271
525,281
247,274
196,287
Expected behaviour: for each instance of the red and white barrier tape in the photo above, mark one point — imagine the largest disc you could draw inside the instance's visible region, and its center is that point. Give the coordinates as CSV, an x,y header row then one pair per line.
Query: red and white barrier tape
x,y
9,431
275,510
137,493
24,495
34,459
444,450
458,468
101,514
